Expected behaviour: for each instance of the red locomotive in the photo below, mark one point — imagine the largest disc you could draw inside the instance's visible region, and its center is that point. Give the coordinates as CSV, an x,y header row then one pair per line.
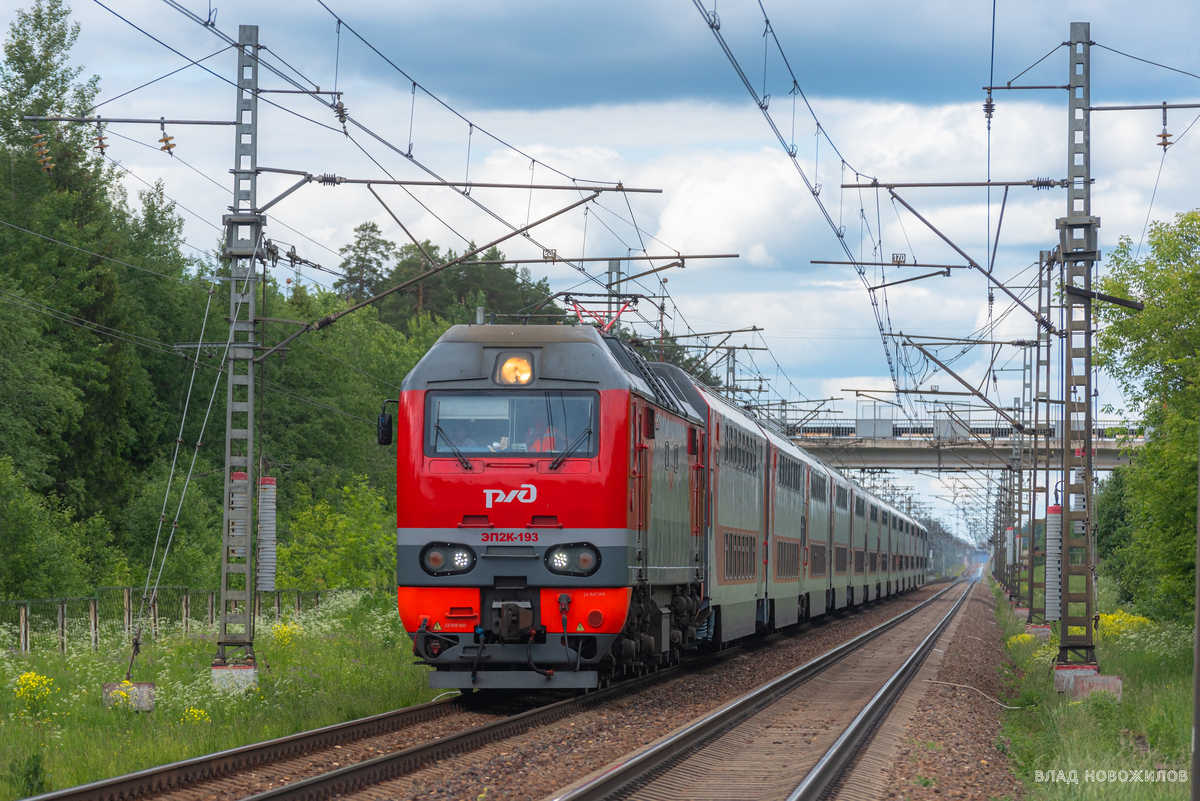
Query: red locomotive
x,y
568,512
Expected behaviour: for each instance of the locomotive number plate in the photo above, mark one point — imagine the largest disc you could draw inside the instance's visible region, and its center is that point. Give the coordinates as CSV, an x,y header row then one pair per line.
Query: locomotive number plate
x,y
509,536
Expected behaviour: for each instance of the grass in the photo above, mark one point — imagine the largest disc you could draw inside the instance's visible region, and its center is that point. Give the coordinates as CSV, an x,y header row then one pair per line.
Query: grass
x,y
347,660
1149,729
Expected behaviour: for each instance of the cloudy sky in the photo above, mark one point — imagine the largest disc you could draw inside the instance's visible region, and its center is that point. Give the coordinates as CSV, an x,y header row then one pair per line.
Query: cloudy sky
x,y
640,92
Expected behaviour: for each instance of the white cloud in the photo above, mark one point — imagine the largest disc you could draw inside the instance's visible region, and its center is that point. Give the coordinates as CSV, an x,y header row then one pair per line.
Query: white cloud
x,y
727,187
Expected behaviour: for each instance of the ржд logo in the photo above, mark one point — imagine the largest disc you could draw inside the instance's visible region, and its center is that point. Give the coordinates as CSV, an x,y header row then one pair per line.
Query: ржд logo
x,y
526,494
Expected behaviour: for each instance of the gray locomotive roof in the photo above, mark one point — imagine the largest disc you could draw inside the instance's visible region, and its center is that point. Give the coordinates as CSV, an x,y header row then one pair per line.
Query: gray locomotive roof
x,y
565,357
521,335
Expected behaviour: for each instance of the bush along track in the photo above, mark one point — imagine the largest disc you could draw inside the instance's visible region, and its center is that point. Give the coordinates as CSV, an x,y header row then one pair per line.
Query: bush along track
x,y
1137,748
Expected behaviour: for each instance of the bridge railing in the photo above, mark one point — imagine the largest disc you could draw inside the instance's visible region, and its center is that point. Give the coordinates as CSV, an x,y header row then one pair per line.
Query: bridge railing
x,y
946,428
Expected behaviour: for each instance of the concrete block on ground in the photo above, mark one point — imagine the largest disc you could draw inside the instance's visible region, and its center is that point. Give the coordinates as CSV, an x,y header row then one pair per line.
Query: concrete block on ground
x,y
1042,632
1021,612
1086,685
135,695
1065,676
235,678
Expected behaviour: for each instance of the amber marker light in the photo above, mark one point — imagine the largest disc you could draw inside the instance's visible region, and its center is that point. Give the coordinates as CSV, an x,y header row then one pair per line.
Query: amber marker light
x,y
516,370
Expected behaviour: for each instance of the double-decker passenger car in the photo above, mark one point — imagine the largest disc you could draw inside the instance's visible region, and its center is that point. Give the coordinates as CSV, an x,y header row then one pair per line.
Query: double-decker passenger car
x,y
568,512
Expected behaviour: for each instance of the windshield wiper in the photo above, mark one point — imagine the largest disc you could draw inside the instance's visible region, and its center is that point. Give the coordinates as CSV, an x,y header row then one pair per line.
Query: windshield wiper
x,y
557,463
462,459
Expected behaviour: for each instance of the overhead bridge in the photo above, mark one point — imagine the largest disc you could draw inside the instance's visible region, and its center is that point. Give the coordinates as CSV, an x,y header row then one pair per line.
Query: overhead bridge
x,y
948,444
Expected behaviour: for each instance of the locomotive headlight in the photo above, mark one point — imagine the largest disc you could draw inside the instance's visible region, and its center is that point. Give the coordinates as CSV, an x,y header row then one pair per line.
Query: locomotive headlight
x,y
577,559
513,368
447,558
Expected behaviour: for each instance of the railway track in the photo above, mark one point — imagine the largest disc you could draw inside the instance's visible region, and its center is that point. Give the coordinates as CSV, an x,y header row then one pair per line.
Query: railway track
x,y
297,765
793,737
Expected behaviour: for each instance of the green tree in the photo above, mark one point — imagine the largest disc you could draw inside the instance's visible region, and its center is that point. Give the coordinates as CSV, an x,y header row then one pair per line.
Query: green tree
x,y
47,553
1153,354
455,292
37,403
126,390
364,262
350,543
36,77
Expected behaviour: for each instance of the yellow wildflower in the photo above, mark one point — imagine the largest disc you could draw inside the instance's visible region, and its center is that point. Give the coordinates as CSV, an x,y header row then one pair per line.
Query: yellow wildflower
x,y
1113,626
286,634
194,715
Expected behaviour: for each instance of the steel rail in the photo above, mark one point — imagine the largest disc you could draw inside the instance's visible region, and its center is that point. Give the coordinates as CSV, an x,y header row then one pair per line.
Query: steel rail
x,y
188,772
642,763
389,766
841,754
235,760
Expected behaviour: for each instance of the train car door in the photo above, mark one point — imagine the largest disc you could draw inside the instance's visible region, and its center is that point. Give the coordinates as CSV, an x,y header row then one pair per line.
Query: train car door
x,y
696,496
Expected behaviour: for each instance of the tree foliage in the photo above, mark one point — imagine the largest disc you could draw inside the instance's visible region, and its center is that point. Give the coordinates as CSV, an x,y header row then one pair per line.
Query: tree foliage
x,y
347,541
95,292
47,552
1153,354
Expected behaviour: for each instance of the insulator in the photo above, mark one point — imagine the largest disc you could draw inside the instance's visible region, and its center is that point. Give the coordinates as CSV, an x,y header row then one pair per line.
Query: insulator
x,y
100,144
1165,139
41,149
166,143
989,107
1043,183
340,112
329,179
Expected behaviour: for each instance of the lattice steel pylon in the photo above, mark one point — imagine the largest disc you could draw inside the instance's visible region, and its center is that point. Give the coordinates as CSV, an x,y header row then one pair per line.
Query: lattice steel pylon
x,y
1043,434
1078,255
243,237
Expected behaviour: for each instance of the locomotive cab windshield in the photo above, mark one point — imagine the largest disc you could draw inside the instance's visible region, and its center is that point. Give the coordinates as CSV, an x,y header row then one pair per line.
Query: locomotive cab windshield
x,y
506,423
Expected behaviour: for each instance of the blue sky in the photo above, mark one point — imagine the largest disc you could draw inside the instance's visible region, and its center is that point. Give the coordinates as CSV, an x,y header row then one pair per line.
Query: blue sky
x,y
641,92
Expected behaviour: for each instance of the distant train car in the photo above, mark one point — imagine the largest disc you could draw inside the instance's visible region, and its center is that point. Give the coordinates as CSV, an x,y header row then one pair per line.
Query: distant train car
x,y
568,513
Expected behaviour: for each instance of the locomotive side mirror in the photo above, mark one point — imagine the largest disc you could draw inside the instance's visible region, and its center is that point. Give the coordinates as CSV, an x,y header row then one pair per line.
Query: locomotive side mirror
x,y
383,426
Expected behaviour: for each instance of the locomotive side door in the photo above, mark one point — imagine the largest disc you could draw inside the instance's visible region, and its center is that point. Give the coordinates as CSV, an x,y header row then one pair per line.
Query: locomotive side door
x,y
642,421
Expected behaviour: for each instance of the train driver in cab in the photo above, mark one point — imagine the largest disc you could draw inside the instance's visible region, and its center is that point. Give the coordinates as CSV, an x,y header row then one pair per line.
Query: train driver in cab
x,y
540,437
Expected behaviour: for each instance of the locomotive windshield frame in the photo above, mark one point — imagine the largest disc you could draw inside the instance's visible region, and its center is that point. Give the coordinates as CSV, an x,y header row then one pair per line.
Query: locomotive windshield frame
x,y
512,423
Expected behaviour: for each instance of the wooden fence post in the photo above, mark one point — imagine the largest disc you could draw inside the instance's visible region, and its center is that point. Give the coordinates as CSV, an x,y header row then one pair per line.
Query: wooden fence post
x,y
127,597
94,622
278,604
212,608
23,632
154,615
62,625
186,609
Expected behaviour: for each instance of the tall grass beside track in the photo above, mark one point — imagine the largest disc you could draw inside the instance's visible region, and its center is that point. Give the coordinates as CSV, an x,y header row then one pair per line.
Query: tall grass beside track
x,y
349,659
1150,729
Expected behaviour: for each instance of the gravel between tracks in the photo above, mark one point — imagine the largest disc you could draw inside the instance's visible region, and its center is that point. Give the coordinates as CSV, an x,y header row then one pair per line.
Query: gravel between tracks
x,y
540,761
950,748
